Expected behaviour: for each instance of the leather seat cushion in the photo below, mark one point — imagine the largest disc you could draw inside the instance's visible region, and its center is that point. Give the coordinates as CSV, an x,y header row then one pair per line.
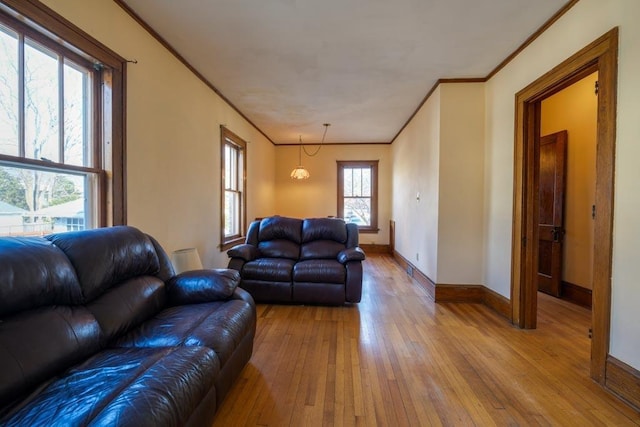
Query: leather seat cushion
x,y
269,269
38,344
140,387
319,271
218,325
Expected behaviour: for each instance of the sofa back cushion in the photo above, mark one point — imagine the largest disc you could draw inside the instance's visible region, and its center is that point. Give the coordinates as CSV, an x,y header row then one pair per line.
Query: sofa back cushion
x,y
128,304
324,229
322,238
34,273
280,237
104,257
40,335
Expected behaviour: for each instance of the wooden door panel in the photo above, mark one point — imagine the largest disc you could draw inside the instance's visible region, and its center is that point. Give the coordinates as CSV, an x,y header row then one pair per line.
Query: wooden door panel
x,y
551,185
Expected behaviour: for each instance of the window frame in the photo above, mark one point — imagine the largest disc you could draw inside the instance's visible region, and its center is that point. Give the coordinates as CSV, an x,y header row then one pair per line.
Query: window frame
x,y
229,138
373,166
108,113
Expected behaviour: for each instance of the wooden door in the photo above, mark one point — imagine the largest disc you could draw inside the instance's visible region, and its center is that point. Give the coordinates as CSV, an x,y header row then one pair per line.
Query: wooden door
x,y
553,153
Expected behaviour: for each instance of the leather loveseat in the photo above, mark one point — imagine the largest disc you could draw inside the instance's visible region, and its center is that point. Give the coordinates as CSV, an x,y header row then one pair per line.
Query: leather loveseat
x,y
96,329
308,261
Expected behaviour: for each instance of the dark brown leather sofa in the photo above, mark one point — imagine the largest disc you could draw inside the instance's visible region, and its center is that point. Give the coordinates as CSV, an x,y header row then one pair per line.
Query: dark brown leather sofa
x,y
307,261
96,329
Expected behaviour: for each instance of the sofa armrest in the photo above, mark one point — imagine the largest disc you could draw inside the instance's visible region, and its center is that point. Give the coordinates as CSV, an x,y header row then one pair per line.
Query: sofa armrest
x,y
351,254
244,251
196,286
243,295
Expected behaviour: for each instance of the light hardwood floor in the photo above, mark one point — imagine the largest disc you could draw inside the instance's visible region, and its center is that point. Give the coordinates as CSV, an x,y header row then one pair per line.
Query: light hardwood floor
x,y
399,359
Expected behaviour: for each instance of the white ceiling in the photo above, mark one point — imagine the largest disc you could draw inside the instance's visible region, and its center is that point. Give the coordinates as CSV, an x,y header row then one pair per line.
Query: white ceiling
x,y
362,65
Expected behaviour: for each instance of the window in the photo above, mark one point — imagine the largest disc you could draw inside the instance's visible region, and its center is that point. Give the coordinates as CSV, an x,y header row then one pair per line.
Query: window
x,y
358,194
59,109
233,154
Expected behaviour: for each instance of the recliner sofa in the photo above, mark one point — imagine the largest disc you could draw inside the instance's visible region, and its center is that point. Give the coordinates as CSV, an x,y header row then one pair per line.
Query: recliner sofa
x,y
96,329
306,261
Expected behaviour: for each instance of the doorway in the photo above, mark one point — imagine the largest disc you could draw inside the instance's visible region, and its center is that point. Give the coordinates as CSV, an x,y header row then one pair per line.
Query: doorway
x,y
567,179
600,56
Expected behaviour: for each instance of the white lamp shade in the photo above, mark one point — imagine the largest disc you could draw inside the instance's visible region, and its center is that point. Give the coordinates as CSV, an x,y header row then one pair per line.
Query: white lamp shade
x,y
186,260
300,173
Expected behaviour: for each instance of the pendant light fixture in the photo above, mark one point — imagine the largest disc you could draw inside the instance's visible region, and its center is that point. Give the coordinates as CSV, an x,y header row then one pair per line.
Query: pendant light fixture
x,y
300,172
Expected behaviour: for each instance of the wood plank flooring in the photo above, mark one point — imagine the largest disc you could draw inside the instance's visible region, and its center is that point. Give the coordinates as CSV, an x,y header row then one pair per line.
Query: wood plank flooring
x,y
399,359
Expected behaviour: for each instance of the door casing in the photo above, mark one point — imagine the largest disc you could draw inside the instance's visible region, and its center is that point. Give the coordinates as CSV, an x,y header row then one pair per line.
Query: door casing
x,y
601,56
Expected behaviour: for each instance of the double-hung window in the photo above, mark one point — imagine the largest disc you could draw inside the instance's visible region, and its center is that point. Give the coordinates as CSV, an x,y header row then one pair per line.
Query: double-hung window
x,y
233,153
56,110
358,194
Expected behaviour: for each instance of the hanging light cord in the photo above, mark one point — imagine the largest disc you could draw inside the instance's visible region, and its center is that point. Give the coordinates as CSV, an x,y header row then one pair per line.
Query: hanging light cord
x,y
326,127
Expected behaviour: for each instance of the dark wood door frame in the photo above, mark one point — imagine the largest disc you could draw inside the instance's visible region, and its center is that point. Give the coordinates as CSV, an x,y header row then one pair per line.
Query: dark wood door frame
x,y
601,56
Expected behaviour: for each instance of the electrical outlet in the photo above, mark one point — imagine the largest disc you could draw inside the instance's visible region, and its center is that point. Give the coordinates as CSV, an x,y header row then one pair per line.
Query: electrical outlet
x,y
417,256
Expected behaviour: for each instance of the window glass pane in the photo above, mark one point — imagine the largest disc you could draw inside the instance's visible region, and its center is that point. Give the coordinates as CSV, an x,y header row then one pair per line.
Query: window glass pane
x,y
34,202
9,122
357,182
230,168
42,130
76,115
357,210
348,182
233,169
232,208
366,182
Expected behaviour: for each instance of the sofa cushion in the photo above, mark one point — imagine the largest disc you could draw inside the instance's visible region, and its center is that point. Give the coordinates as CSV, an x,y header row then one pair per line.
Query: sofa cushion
x,y
34,273
38,344
319,271
279,249
324,229
217,325
280,228
104,257
269,269
128,304
321,249
132,387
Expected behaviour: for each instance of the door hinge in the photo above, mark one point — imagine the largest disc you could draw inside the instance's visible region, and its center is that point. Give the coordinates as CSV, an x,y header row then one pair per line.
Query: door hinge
x,y
524,242
597,87
590,333
593,211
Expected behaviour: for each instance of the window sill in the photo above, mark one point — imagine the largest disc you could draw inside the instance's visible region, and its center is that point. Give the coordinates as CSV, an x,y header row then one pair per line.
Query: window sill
x,y
368,230
231,243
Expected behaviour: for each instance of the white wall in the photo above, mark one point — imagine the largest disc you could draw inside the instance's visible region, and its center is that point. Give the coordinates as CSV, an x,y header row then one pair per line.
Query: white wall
x,y
173,138
460,218
439,154
586,21
416,154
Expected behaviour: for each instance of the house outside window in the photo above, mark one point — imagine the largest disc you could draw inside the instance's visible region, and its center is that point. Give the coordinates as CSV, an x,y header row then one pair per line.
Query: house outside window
x,y
358,193
54,115
233,213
